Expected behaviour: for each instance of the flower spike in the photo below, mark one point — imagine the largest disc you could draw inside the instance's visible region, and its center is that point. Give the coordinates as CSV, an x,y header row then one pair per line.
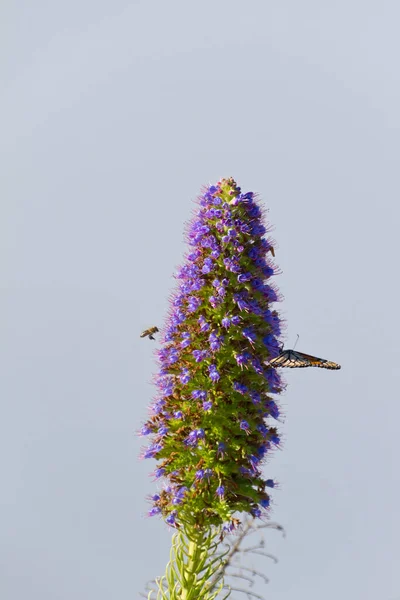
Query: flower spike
x,y
210,426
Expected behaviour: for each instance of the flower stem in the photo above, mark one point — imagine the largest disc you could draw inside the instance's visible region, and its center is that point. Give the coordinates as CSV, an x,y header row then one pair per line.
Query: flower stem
x,y
190,574
195,571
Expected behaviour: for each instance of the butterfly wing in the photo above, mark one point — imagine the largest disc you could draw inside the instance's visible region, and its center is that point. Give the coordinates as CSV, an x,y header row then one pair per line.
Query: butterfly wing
x,y
314,361
289,358
299,360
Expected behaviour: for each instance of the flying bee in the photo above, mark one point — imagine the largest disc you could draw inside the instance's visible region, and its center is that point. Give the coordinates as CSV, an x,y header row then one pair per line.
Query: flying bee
x,y
149,332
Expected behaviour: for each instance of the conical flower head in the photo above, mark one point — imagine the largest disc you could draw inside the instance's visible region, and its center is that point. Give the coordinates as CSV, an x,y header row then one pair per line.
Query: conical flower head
x,y
210,423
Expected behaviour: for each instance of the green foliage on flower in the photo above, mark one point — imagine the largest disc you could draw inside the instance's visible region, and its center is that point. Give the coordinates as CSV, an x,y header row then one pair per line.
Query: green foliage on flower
x,y
196,567
210,422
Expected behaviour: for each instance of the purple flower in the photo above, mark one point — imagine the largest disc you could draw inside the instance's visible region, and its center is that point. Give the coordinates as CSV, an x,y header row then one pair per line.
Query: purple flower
x,y
249,334
178,301
197,284
171,518
246,472
215,341
242,359
214,375
193,303
178,317
272,345
274,381
240,387
226,322
270,294
270,483
179,496
253,460
255,397
185,376
263,449
255,308
199,355
199,394
152,450
268,271
192,439
204,326
221,292
157,408
262,429
231,264
145,430
257,366
169,336
271,409
173,356
231,526
208,265
159,473
167,387
214,381
156,510
193,256
257,229
272,318
209,242
221,449
214,301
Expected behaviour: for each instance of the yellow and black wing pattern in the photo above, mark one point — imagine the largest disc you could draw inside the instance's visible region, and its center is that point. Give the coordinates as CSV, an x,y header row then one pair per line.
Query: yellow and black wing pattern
x,y
298,360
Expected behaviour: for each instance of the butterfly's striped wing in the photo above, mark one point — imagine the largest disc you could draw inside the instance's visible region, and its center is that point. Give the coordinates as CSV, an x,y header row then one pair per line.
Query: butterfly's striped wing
x,y
298,360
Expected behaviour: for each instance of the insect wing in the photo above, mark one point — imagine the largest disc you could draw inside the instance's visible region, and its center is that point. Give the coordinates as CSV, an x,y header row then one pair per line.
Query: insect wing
x,y
299,360
314,361
149,332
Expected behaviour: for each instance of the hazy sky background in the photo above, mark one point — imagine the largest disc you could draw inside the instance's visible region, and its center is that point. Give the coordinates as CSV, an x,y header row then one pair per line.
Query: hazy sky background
x,y
115,114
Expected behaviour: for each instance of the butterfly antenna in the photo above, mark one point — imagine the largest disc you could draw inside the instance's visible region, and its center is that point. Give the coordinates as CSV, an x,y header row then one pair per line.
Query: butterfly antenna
x,y
297,339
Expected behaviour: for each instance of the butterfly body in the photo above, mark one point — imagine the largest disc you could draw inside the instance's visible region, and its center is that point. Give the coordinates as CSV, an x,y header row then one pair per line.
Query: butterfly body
x,y
149,332
294,359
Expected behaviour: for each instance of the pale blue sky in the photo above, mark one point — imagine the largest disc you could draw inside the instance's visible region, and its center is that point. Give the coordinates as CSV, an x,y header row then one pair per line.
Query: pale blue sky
x,y
114,114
